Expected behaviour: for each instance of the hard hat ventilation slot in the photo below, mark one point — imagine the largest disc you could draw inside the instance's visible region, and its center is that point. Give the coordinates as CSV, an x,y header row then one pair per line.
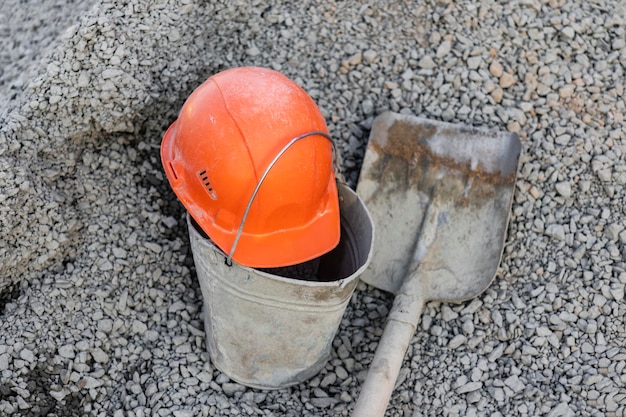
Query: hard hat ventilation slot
x,y
173,171
207,184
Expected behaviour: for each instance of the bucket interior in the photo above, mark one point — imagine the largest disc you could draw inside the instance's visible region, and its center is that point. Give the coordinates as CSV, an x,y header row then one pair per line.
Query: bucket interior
x,y
339,263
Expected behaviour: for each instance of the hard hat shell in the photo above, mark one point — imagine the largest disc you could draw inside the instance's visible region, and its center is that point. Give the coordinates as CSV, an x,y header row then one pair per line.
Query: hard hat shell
x,y
226,136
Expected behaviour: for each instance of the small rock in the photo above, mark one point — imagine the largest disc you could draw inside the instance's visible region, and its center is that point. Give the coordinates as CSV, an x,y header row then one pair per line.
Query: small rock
x,y
469,387
564,188
369,56
457,341
561,410
605,175
169,222
59,395
593,379
556,231
613,231
496,69
617,292
496,353
105,325
579,252
153,247
205,377
355,59
329,379
230,388
99,355
111,73
67,351
89,382
38,307
176,306
341,373
507,80
324,402
83,79
468,327
567,90
367,106
447,314
474,62
106,265
27,355
139,327
568,32
253,51
515,384
497,94
444,49
342,352
4,362
426,62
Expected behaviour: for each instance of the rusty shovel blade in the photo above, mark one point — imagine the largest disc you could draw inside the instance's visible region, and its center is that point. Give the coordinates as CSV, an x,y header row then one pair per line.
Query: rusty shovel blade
x,y
440,197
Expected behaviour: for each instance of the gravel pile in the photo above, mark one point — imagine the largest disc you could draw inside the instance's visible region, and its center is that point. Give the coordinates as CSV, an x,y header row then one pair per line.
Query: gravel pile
x,y
101,311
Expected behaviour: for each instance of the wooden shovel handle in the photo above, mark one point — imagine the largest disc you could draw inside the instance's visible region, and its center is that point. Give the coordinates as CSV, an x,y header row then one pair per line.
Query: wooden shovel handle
x,y
383,373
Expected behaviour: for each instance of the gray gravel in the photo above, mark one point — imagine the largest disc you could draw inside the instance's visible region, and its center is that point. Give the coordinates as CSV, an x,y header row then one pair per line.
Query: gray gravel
x,y
101,311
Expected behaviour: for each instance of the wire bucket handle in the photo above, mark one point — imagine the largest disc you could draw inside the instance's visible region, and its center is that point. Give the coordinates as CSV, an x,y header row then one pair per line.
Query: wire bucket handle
x,y
229,259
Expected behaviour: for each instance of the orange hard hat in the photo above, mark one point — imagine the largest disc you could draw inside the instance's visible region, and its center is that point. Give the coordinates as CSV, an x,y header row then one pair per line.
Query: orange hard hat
x,y
251,160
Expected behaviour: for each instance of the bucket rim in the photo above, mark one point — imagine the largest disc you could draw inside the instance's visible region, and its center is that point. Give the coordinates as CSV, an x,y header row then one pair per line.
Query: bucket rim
x,y
342,283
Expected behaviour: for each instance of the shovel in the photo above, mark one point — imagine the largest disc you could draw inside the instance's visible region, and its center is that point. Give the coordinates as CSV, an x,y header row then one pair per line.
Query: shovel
x,y
440,196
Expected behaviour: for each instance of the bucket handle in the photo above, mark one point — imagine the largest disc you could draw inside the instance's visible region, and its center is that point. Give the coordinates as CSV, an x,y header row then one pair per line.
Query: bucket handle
x,y
229,259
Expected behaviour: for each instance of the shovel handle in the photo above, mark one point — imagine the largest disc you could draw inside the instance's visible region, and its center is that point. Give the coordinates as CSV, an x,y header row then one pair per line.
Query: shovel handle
x,y
389,356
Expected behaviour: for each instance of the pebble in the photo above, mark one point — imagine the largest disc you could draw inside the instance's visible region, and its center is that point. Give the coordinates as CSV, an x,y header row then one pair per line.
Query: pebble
x,y
67,351
369,56
231,388
562,410
556,231
496,69
443,49
323,402
447,314
99,355
139,327
329,379
426,62
474,62
469,387
4,362
568,32
507,80
253,51
105,325
457,341
515,384
564,188
27,355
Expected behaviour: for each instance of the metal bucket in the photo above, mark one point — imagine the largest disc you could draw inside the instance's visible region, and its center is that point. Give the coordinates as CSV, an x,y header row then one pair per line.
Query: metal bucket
x,y
271,331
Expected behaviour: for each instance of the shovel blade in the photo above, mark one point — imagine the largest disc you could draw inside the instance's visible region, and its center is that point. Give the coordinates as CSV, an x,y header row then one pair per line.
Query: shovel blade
x,y
412,163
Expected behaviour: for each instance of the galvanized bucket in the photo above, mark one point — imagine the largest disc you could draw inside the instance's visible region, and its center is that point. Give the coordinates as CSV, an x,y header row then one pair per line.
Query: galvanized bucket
x,y
270,331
